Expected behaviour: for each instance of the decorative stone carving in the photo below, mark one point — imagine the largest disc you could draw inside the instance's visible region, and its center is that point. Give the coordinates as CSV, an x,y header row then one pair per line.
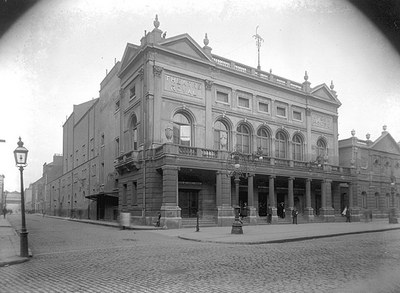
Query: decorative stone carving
x,y
209,84
168,133
157,70
141,73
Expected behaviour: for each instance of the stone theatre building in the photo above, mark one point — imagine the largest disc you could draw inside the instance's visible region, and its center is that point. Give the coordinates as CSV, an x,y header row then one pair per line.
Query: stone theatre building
x,y
181,132
184,111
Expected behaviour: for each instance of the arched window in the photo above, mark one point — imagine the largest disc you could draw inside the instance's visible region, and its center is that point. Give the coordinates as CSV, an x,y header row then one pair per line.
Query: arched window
x,y
220,136
364,200
377,200
134,132
280,145
264,141
321,148
243,139
182,129
297,148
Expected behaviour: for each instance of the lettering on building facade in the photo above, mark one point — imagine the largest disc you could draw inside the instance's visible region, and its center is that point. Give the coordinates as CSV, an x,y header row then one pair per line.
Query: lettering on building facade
x,y
182,86
322,121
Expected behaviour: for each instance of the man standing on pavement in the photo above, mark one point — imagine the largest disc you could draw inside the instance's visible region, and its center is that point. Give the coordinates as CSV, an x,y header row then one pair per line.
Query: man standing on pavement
x,y
294,215
348,215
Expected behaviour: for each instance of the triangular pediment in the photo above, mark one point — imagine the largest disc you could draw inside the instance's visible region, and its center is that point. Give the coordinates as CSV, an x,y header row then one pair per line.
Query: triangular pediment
x,y
323,91
185,45
130,51
386,143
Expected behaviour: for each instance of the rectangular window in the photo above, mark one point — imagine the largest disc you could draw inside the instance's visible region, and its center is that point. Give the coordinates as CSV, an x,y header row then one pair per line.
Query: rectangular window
x,y
297,115
134,193
185,134
281,111
134,139
243,102
102,139
222,97
124,191
117,147
132,92
263,107
117,105
364,199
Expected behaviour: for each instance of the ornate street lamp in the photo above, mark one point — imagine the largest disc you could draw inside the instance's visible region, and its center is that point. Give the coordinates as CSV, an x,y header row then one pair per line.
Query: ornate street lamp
x,y
237,168
21,154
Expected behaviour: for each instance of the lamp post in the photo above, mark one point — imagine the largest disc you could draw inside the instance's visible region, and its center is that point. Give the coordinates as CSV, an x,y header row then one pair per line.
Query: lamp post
x,y
21,154
236,170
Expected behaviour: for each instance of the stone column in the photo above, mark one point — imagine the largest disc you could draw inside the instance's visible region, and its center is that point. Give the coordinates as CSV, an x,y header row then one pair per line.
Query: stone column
x,y
250,200
309,211
326,210
170,211
336,198
353,204
271,196
223,199
290,197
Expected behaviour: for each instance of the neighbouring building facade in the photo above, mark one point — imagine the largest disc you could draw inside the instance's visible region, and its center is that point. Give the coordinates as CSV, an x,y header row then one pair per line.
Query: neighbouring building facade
x,y
39,195
178,131
87,186
377,168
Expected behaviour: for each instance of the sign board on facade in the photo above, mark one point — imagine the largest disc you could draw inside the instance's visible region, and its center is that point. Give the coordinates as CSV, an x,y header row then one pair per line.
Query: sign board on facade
x,y
322,121
182,86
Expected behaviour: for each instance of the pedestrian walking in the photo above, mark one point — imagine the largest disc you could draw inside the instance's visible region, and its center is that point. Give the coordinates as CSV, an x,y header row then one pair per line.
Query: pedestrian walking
x,y
294,215
348,216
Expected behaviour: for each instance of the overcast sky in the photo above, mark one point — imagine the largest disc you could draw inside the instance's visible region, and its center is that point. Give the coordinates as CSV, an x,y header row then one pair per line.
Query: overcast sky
x,y
57,54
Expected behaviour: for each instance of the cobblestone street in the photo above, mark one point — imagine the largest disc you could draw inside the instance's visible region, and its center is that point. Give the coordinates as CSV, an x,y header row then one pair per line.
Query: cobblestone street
x,y
77,257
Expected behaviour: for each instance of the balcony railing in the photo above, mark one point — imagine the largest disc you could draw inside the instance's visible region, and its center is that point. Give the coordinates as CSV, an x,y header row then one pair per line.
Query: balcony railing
x,y
258,73
259,161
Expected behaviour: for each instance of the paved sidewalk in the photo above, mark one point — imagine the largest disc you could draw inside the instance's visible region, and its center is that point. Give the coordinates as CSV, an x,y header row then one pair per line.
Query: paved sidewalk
x,y
9,245
261,234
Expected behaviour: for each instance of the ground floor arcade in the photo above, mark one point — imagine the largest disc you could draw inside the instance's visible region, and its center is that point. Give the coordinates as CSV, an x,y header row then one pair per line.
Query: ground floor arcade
x,y
255,194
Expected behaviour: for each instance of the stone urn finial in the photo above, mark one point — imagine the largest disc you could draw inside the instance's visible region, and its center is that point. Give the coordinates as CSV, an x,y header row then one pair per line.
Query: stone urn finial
x,y
384,127
332,86
305,76
353,132
156,22
206,41
368,136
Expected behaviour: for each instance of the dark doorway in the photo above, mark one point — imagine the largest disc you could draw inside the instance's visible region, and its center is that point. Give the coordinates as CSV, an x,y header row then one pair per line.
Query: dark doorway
x,y
189,203
281,210
343,201
262,204
317,203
